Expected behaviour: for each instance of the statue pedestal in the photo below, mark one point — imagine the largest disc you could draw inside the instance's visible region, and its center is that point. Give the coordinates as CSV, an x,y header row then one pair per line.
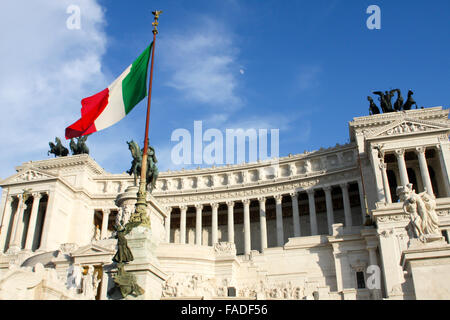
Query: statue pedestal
x,y
145,265
429,265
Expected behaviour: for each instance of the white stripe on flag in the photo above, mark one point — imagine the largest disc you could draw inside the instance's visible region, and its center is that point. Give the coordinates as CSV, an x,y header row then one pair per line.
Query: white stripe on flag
x,y
115,110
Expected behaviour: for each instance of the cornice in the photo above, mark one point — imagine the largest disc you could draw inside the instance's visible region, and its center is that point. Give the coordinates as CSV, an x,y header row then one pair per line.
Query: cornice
x,y
434,113
64,162
269,188
260,164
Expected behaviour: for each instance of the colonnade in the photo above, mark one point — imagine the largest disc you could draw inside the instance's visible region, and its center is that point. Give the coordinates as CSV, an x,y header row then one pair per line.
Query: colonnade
x,y
280,232
403,170
14,235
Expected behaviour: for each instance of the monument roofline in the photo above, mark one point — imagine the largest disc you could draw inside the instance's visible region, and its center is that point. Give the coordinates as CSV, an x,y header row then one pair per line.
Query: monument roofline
x,y
64,162
430,115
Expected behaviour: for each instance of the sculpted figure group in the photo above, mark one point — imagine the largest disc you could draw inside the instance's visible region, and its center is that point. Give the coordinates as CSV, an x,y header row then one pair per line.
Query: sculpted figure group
x,y
386,102
59,150
421,210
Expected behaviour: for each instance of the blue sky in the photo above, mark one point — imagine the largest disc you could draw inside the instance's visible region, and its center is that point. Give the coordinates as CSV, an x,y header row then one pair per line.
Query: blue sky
x,y
304,67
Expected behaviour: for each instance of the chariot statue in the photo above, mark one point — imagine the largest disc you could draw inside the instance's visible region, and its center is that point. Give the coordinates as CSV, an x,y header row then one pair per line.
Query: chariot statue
x,y
421,210
136,165
57,148
80,146
385,99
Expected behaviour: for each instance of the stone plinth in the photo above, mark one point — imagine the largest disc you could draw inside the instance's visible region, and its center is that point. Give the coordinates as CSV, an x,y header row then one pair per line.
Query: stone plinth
x,y
429,265
145,265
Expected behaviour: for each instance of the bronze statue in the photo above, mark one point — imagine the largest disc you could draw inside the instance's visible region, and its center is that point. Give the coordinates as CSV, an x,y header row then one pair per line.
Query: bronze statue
x,y
386,104
409,102
136,164
398,105
123,253
385,101
373,109
127,282
80,146
57,149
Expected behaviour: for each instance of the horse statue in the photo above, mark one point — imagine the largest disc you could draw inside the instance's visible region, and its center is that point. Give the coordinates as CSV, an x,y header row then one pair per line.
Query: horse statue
x,y
385,101
136,164
80,146
373,109
57,148
409,102
398,105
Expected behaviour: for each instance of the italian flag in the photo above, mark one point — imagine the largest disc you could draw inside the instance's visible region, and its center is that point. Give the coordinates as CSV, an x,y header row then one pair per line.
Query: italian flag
x,y
109,106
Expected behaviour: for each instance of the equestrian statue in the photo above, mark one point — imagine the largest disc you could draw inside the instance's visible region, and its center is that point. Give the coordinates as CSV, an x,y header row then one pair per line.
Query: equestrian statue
x,y
80,146
385,99
136,165
57,148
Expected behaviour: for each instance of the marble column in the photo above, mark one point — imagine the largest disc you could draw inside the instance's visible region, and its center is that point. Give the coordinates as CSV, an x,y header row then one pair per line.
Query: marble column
x,y
247,236
347,208
263,222
167,224
5,222
198,224
18,223
183,210
230,205
425,174
295,214
375,160
279,221
387,189
329,204
444,158
400,154
105,220
46,228
214,223
362,200
312,212
32,224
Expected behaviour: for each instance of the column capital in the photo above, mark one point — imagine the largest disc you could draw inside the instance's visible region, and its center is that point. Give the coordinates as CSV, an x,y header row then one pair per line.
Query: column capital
x,y
327,188
382,166
293,194
262,199
344,185
199,206
215,205
246,201
107,210
278,198
19,196
37,195
400,153
310,191
183,207
230,204
420,150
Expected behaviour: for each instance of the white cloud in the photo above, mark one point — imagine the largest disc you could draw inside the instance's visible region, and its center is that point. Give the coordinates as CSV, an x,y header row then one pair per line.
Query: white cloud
x,y
308,77
46,69
202,64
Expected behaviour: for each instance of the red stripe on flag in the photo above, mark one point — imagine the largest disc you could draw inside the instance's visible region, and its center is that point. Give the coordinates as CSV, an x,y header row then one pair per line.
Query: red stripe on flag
x,y
91,108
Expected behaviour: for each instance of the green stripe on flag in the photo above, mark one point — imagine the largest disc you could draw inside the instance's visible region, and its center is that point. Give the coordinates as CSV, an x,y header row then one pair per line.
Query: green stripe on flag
x,y
134,86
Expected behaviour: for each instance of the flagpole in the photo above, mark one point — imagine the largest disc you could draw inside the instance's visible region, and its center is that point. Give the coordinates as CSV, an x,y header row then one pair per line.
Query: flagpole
x,y
140,214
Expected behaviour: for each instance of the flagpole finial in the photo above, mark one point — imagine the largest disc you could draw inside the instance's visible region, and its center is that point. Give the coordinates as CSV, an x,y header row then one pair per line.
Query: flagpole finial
x,y
156,13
